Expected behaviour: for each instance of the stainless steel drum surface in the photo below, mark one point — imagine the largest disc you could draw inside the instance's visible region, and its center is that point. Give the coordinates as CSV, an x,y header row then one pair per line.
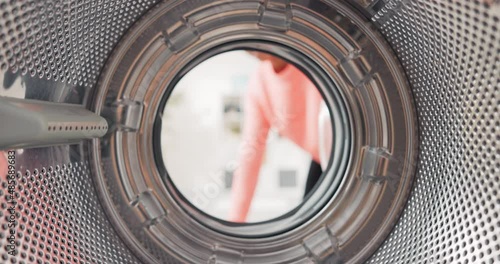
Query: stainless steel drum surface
x,y
65,210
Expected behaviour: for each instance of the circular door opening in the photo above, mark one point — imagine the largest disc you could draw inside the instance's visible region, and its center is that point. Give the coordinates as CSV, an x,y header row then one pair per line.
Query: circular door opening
x,y
246,135
272,116
365,182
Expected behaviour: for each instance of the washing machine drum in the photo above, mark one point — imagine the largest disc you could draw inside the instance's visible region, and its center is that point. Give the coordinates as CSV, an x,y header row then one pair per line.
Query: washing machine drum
x,y
412,89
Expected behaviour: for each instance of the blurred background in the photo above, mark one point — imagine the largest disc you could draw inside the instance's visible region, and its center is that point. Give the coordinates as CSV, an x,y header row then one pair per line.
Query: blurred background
x,y
201,136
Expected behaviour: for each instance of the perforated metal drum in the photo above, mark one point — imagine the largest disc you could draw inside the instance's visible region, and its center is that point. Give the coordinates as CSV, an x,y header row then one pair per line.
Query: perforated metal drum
x,y
414,174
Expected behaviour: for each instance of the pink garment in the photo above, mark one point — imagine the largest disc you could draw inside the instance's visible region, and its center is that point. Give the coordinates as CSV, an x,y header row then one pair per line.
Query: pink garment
x,y
287,101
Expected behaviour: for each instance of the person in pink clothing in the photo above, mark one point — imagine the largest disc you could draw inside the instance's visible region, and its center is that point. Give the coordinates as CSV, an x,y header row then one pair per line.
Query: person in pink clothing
x,y
279,96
